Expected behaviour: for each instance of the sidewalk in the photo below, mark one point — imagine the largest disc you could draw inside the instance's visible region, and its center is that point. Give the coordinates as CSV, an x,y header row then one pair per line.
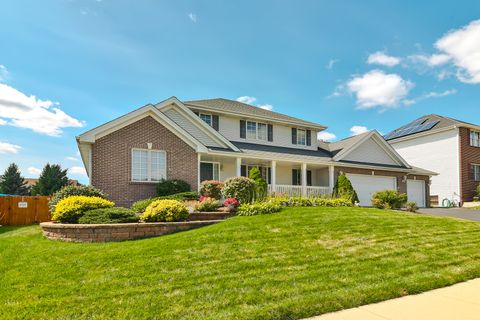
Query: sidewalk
x,y
460,301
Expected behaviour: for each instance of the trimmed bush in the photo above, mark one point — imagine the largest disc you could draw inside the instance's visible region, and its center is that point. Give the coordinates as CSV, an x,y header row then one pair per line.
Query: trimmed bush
x,y
165,211
108,215
411,207
389,199
69,191
70,209
140,205
311,202
240,188
207,205
343,189
169,187
261,186
258,208
211,189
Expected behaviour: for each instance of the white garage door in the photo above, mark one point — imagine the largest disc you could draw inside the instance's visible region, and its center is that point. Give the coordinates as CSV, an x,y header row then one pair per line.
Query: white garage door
x,y
366,186
416,192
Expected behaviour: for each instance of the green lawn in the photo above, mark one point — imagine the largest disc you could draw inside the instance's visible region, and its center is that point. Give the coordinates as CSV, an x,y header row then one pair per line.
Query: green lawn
x,y
294,264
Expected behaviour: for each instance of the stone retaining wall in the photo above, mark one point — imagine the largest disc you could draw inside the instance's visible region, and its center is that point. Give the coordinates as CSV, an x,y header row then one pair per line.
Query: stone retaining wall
x,y
202,216
116,232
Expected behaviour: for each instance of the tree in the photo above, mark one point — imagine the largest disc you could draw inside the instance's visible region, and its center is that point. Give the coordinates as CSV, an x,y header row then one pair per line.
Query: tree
x,y
12,182
344,189
261,188
52,179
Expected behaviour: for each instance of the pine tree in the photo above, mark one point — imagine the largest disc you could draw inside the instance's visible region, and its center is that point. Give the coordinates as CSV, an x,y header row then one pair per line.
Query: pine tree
x,y
343,189
12,182
52,179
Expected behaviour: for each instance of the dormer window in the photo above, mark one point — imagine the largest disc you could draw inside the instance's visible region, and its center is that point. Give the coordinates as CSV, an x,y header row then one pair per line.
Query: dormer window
x,y
206,117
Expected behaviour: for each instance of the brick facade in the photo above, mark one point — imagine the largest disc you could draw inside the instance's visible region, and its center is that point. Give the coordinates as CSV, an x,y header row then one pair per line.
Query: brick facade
x,y
468,155
111,160
401,183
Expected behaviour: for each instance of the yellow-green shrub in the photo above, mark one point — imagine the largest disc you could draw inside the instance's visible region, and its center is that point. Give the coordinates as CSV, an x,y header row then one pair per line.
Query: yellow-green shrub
x,y
70,209
165,211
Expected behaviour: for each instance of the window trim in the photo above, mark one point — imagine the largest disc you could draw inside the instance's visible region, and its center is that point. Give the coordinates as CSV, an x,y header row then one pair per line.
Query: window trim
x,y
473,171
213,171
472,133
305,137
149,165
257,125
200,114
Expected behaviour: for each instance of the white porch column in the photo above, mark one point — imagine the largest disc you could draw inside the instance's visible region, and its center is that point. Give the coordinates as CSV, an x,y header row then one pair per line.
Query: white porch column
x,y
304,179
273,178
198,172
331,177
239,167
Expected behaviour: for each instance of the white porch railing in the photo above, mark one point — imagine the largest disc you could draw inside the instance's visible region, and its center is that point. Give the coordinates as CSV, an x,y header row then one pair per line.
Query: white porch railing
x,y
296,191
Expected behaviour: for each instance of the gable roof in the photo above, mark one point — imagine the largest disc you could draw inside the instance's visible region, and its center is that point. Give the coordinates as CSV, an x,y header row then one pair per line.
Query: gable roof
x,y
437,123
230,106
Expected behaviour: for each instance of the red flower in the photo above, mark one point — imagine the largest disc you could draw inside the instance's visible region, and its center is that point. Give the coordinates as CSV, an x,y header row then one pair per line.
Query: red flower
x,y
230,201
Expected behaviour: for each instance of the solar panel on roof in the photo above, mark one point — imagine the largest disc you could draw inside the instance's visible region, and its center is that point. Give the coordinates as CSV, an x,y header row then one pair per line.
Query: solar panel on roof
x,y
411,128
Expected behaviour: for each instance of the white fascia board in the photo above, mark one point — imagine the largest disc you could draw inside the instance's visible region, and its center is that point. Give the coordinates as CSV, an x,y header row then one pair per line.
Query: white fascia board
x,y
85,150
254,116
212,133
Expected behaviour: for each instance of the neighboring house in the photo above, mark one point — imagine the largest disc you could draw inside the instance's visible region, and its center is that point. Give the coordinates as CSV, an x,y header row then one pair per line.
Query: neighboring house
x,y
218,139
30,182
447,146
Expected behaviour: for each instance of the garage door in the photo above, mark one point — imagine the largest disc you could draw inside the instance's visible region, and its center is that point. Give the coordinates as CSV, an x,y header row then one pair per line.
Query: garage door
x,y
416,192
366,186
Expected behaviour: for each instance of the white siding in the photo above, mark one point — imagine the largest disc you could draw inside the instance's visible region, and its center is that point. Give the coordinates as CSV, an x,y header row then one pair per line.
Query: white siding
x,y
371,152
439,153
191,128
229,127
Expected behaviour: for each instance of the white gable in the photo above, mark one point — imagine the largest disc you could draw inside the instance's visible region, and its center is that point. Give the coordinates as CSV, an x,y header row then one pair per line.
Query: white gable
x,y
371,152
191,128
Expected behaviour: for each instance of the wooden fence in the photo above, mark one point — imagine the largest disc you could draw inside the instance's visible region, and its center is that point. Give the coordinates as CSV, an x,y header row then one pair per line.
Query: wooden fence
x,y
23,210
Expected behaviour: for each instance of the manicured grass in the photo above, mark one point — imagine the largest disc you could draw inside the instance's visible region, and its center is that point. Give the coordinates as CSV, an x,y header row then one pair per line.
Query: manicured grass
x,y
294,264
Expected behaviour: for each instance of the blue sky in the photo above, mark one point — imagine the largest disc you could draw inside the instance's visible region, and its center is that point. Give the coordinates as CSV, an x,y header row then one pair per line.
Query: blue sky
x,y
67,66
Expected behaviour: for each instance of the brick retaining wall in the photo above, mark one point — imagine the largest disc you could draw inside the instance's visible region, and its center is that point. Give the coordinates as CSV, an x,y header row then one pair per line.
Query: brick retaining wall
x,y
116,232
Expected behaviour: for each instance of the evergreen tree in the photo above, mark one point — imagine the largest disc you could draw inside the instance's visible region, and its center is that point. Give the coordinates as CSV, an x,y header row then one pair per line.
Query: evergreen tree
x,y
12,182
52,179
343,189
261,188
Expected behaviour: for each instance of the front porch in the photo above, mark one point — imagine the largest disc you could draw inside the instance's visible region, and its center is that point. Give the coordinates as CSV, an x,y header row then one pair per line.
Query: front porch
x,y
283,177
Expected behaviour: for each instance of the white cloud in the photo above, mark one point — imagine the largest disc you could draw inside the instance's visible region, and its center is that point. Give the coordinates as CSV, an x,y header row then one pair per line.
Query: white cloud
x,y
326,136
383,59
34,171
192,17
432,61
71,158
268,107
445,93
378,89
77,170
42,116
9,148
3,73
331,63
2,122
356,130
246,99
463,46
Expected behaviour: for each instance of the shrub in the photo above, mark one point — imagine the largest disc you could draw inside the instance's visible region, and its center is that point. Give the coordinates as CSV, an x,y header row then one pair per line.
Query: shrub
x,y
230,202
240,188
247,209
169,187
389,199
108,215
74,191
211,189
207,205
140,205
311,202
411,207
70,209
478,190
165,210
343,189
261,187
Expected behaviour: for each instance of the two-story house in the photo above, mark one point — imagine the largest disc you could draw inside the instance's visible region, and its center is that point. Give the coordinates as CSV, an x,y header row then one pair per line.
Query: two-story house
x,y
447,146
219,138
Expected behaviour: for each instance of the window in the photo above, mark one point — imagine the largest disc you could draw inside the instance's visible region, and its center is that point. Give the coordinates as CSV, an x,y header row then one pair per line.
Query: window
x,y
301,137
209,171
297,177
476,172
475,138
257,131
262,131
251,130
148,165
207,118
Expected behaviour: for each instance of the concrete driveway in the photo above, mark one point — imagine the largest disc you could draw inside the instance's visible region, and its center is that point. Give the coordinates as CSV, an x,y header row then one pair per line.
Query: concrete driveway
x,y
453,212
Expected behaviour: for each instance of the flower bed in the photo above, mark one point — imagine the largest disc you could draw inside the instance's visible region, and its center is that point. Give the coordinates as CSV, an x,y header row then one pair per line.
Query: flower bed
x,y
117,231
